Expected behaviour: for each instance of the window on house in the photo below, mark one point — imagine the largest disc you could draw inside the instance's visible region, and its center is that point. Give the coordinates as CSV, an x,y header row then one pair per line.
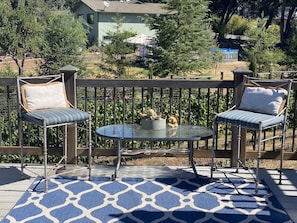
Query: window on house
x,y
106,37
90,18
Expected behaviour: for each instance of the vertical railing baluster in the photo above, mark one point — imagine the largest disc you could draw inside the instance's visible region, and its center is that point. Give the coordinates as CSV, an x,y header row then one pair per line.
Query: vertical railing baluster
x,y
161,100
8,115
115,101
208,108
104,111
95,113
133,105
171,100
189,106
179,101
104,107
294,121
132,110
124,105
199,107
142,100
226,128
151,96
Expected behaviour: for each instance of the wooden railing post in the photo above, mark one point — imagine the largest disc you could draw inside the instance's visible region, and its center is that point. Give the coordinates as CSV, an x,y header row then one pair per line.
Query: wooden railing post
x,y
239,74
70,76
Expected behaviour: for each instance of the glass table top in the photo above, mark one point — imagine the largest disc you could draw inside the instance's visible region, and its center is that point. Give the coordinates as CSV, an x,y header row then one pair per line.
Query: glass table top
x,y
135,132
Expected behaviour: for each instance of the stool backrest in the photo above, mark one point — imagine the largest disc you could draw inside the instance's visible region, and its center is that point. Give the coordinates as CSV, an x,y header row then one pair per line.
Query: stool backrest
x,y
265,96
42,92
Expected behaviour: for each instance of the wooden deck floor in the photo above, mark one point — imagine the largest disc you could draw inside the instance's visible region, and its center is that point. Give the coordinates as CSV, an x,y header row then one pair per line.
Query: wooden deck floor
x,y
12,187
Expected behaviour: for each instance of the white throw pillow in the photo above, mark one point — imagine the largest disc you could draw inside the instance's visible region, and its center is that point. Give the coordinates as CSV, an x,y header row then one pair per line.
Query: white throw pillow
x,y
44,96
263,100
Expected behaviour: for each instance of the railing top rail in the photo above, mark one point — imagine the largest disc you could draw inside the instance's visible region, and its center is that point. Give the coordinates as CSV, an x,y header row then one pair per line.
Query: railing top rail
x,y
8,81
162,83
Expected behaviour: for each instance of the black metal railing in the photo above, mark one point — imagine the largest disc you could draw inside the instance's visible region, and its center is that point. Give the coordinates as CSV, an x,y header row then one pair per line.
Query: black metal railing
x,y
121,101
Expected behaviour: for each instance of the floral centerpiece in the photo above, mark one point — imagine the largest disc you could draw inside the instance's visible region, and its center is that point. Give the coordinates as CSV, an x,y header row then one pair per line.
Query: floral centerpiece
x,y
152,120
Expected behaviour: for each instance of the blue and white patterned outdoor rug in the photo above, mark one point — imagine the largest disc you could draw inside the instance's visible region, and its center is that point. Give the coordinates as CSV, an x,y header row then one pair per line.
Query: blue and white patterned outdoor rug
x,y
130,200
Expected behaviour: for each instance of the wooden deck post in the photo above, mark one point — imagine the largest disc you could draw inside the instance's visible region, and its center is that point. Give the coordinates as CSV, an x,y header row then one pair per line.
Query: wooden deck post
x,y
239,73
70,76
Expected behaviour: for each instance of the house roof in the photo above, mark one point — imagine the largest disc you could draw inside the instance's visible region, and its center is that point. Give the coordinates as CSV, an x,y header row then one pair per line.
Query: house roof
x,y
125,6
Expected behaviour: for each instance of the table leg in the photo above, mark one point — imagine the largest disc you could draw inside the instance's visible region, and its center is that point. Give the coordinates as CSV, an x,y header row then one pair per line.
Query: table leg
x,y
191,158
114,176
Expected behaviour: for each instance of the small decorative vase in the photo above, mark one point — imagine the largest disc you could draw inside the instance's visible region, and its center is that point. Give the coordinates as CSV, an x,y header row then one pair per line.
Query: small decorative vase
x,y
153,124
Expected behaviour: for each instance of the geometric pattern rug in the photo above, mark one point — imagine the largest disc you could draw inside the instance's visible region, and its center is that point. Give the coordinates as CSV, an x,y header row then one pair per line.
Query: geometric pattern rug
x,y
166,200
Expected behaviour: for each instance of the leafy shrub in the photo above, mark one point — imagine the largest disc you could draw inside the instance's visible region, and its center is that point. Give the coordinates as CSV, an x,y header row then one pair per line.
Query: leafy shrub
x,y
237,25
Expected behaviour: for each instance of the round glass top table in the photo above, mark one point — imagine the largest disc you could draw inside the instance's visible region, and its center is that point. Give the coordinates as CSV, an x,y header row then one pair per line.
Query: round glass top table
x,y
135,132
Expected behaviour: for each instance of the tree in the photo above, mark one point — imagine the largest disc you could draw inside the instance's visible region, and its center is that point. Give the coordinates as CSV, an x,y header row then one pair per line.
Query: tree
x,y
117,49
184,38
20,29
262,49
222,13
271,9
237,25
286,22
291,50
29,28
141,1
65,41
56,4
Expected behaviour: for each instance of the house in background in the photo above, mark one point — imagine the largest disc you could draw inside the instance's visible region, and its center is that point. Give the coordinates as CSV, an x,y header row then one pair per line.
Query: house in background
x,y
100,17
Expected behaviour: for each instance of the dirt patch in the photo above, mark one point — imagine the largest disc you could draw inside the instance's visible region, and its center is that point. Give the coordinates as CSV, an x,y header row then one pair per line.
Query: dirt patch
x,y
8,63
226,69
93,59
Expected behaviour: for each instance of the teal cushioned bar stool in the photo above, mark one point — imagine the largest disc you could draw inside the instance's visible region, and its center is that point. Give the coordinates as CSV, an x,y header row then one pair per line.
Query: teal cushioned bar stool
x,y
43,102
263,106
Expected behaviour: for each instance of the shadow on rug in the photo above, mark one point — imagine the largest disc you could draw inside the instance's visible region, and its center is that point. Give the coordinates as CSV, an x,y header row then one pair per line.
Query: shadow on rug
x,y
147,200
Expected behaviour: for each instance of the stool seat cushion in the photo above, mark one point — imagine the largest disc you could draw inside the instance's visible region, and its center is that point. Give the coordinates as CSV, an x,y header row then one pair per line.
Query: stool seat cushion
x,y
57,116
249,119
